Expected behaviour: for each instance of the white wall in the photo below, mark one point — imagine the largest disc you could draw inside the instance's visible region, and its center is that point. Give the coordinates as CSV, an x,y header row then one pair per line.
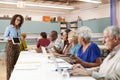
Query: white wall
x,y
118,13
36,15
90,13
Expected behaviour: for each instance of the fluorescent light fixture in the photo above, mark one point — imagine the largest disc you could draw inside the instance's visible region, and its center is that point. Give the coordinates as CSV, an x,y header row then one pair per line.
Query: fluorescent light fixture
x,y
32,10
13,3
50,6
91,1
20,4
40,5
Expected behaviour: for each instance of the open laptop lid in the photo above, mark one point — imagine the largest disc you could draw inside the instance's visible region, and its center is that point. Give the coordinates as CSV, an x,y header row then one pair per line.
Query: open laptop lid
x,y
43,49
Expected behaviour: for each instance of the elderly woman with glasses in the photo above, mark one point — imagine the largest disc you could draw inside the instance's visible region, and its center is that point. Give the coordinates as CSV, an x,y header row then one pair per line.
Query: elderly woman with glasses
x,y
89,54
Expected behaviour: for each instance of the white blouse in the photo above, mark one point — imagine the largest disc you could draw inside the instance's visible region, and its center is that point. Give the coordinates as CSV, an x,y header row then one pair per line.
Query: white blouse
x,y
110,68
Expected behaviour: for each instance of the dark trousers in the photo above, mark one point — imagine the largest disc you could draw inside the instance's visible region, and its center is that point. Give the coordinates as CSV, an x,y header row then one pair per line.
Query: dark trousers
x,y
12,54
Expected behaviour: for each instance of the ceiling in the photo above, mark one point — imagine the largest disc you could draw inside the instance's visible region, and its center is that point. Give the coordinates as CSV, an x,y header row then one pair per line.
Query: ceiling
x,y
66,2
72,3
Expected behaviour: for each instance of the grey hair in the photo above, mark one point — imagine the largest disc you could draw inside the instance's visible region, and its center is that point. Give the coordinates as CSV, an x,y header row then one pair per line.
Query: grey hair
x,y
85,32
112,31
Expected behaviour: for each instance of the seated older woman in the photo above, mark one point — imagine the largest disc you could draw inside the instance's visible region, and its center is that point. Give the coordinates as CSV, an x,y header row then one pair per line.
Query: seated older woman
x,y
110,68
72,46
73,43
89,54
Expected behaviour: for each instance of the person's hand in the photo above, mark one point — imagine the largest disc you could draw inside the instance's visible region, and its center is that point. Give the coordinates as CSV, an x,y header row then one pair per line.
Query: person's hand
x,y
38,50
76,66
79,70
9,39
26,49
75,59
54,49
72,56
56,54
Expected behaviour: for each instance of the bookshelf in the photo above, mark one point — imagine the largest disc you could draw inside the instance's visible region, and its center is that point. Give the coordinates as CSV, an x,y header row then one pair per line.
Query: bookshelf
x,y
68,25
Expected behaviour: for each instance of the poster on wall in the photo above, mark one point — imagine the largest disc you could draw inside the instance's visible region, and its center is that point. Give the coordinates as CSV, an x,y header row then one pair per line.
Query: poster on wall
x,y
46,18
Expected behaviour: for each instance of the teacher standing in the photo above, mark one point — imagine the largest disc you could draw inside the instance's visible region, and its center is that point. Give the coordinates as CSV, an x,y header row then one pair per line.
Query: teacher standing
x,y
12,50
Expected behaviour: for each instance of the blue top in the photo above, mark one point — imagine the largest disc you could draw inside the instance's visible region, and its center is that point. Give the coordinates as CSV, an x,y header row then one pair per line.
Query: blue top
x,y
11,32
74,50
91,53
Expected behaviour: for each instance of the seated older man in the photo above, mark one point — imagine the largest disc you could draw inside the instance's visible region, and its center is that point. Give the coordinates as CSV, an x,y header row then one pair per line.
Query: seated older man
x,y
110,68
56,44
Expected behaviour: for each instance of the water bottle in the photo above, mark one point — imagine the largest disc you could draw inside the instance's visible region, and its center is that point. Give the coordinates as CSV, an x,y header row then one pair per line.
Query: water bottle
x,y
65,74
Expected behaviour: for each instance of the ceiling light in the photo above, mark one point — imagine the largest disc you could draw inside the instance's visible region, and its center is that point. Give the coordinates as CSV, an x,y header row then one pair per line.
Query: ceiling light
x,y
91,1
22,4
50,6
32,10
2,2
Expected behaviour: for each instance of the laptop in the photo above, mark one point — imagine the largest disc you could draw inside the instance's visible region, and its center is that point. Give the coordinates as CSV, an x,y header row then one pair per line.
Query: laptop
x,y
43,49
67,58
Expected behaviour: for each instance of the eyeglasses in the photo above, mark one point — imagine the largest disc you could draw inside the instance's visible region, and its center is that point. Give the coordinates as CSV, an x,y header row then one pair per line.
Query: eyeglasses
x,y
18,19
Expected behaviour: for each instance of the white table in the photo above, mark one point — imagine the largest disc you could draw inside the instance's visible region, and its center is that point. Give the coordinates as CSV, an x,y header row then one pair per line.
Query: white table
x,y
34,66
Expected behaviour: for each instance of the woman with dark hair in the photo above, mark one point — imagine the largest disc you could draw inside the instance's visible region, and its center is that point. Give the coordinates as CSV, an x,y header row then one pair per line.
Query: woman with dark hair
x,y
12,50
